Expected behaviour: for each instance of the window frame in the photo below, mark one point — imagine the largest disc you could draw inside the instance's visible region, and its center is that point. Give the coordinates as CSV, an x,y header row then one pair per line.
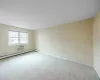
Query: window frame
x,y
18,38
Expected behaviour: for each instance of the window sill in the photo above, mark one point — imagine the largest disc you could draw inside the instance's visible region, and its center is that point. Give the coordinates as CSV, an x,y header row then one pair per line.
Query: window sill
x,y
17,44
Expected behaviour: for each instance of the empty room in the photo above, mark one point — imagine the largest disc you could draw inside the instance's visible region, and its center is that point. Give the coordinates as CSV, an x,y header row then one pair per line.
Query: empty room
x,y
49,39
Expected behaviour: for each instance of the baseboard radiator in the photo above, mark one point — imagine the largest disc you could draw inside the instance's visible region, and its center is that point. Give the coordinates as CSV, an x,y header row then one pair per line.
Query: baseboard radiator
x,y
20,51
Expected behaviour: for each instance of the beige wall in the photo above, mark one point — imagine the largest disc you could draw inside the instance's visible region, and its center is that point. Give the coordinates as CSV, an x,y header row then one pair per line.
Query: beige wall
x,y
5,48
73,41
96,39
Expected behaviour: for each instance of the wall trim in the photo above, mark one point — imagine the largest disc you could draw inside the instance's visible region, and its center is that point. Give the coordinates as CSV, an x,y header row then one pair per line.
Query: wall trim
x,y
96,72
66,59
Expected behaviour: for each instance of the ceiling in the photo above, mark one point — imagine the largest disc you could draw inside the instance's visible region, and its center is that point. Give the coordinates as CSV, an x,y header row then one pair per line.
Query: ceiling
x,y
35,14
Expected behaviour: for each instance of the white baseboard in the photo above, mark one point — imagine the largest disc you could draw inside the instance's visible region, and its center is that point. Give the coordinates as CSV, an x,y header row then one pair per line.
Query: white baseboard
x,y
97,72
14,54
66,59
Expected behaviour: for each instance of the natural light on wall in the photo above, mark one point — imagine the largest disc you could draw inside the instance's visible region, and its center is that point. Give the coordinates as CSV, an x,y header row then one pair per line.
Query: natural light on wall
x,y
17,38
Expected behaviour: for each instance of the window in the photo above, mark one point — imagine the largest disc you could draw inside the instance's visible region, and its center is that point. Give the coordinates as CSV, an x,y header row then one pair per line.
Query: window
x,y
18,38
13,37
23,38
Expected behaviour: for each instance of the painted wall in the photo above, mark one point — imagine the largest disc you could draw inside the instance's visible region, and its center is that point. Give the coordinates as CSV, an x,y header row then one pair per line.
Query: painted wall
x,y
73,41
5,49
96,43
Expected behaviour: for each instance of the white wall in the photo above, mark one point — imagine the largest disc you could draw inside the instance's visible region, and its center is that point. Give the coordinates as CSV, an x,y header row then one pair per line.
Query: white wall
x,y
73,41
96,41
5,49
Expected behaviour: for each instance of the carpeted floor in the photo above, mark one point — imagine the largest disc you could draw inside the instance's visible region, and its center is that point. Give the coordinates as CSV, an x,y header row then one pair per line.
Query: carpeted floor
x,y
37,66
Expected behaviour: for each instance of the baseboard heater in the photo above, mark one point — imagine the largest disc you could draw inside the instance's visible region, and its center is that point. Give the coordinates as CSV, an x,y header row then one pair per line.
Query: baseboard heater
x,y
15,54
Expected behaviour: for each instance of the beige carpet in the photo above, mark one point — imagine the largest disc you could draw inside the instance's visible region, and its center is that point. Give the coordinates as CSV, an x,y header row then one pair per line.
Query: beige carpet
x,y
36,66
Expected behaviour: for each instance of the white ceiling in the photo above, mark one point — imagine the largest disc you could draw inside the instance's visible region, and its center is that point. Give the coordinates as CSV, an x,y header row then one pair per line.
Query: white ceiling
x,y
35,14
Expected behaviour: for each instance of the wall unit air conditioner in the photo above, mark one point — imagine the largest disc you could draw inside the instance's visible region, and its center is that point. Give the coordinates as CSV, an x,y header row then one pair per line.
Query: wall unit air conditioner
x,y
20,48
